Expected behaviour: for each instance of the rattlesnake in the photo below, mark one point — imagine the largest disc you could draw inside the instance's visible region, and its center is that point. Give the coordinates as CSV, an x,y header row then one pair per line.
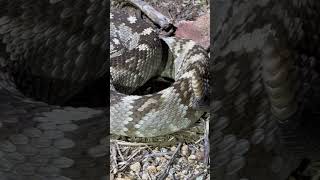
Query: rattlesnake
x,y
135,58
50,51
41,141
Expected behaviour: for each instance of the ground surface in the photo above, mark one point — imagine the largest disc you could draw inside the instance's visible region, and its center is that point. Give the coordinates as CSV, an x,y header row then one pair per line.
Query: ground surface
x,y
180,156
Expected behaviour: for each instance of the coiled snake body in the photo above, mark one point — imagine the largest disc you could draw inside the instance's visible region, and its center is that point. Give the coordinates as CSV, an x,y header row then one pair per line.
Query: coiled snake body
x,y
53,49
56,47
135,58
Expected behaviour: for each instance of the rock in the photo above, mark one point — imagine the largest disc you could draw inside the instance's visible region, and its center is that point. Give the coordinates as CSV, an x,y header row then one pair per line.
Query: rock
x,y
136,167
198,30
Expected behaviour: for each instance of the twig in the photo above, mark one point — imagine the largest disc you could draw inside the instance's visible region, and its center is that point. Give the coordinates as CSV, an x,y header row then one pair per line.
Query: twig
x,y
119,152
199,140
166,172
127,162
158,154
113,154
158,18
123,143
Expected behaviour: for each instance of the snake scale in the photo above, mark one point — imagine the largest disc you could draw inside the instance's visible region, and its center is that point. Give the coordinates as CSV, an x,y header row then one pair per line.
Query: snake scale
x,y
50,50
262,57
265,55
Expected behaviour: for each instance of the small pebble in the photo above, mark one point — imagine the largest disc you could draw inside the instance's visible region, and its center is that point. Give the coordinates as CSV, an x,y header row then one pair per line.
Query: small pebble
x,y
185,172
185,150
144,177
200,155
115,170
192,158
152,169
173,148
164,150
135,167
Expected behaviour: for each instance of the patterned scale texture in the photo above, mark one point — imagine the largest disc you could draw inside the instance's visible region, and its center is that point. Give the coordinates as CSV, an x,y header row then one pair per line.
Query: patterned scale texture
x,y
69,35
262,73
136,56
135,51
50,50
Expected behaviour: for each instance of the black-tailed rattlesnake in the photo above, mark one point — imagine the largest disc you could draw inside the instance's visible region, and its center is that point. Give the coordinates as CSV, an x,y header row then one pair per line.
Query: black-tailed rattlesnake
x,y
136,56
61,46
53,49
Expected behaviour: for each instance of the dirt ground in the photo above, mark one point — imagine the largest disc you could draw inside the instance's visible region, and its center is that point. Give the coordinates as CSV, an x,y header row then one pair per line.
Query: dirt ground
x,y
181,9
179,156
